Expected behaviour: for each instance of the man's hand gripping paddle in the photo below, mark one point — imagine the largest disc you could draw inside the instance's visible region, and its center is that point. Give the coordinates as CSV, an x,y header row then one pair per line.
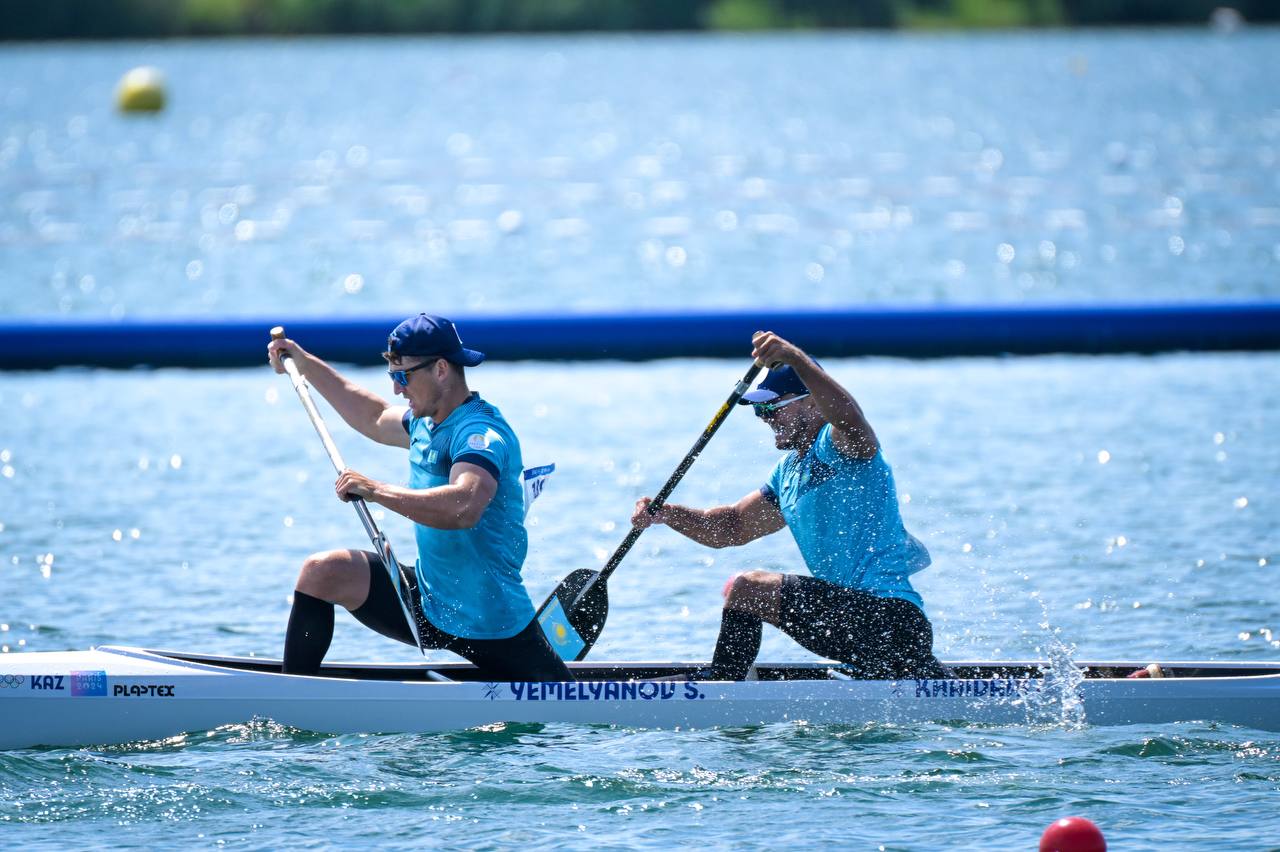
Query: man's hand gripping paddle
x,y
380,544
573,615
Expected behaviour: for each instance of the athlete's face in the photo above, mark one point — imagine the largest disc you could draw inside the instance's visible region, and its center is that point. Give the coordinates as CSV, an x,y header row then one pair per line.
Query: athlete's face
x,y
790,418
415,379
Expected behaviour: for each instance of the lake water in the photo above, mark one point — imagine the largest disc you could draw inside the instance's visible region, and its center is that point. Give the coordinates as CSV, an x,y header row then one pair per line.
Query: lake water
x,y
1104,507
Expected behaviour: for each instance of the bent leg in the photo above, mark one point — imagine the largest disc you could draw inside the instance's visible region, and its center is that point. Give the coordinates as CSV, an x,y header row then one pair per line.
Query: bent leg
x,y
336,576
750,599
756,592
381,610
881,637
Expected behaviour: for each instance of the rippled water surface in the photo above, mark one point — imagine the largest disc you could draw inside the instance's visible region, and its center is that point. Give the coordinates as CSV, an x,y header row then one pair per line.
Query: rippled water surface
x,y
498,174
1115,507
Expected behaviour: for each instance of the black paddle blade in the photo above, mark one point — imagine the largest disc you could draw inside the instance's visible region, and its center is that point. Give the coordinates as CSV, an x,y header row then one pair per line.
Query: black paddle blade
x,y
573,628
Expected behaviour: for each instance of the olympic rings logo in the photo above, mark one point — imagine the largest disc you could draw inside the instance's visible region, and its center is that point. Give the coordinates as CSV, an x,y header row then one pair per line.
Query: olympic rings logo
x,y
13,681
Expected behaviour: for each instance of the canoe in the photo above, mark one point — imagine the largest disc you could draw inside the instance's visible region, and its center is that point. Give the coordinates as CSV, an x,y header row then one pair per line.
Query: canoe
x,y
117,694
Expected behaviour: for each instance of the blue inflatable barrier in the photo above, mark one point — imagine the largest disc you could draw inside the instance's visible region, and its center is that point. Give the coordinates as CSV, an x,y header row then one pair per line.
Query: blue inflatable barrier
x,y
911,332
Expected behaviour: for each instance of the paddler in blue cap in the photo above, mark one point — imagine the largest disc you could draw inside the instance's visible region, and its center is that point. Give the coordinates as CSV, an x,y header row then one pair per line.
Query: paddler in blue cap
x,y
835,492
464,497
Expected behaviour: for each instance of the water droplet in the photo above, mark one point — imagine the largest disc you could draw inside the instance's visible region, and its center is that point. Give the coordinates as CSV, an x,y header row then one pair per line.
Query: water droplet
x,y
510,221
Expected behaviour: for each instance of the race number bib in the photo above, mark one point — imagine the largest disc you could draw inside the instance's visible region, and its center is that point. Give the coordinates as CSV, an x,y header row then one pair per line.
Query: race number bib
x,y
535,478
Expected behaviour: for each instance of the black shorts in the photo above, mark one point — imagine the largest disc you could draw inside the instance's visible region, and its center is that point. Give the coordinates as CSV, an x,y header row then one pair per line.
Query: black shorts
x,y
880,637
526,656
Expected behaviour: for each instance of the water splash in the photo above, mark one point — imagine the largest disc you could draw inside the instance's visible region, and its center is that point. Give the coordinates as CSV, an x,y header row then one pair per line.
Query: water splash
x,y
1057,700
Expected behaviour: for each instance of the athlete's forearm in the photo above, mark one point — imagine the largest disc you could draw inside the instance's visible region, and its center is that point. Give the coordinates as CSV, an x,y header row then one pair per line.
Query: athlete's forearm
x,y
718,527
445,507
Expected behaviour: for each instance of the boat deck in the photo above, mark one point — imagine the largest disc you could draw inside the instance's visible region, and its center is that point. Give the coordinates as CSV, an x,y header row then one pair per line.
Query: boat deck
x,y
616,671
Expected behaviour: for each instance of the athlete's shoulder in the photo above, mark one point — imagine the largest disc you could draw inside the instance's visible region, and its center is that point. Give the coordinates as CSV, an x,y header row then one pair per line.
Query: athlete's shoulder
x,y
826,449
482,412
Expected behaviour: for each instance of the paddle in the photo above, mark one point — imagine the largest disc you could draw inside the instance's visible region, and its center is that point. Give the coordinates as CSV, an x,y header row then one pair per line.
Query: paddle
x,y
573,614
380,543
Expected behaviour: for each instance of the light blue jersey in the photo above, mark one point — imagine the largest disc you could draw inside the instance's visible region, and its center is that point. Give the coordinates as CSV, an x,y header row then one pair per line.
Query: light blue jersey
x,y
844,515
470,579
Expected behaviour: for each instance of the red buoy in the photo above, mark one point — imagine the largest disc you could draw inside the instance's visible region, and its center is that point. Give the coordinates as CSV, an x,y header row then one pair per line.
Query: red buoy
x,y
1073,834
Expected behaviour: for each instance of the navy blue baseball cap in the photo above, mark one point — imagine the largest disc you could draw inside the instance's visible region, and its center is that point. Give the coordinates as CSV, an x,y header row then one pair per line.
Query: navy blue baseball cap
x,y
779,381
431,337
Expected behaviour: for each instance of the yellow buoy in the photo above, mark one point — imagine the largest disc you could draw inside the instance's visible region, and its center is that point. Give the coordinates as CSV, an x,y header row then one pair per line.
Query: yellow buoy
x,y
141,90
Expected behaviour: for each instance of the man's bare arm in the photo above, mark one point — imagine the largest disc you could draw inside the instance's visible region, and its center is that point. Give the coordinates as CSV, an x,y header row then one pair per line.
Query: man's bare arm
x,y
750,518
456,506
851,433
363,410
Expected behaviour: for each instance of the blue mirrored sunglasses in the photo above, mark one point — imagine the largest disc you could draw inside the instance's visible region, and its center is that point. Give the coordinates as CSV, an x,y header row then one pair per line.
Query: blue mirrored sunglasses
x,y
401,377
766,410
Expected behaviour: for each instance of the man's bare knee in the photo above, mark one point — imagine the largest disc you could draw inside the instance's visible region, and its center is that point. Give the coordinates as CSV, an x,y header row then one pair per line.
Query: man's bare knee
x,y
334,576
755,592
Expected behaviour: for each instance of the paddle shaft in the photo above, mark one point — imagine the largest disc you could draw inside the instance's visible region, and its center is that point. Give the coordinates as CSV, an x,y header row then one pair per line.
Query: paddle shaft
x,y
380,543
614,561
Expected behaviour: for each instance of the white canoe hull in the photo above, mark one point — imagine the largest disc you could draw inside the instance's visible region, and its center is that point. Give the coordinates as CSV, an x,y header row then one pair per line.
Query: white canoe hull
x,y
116,694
